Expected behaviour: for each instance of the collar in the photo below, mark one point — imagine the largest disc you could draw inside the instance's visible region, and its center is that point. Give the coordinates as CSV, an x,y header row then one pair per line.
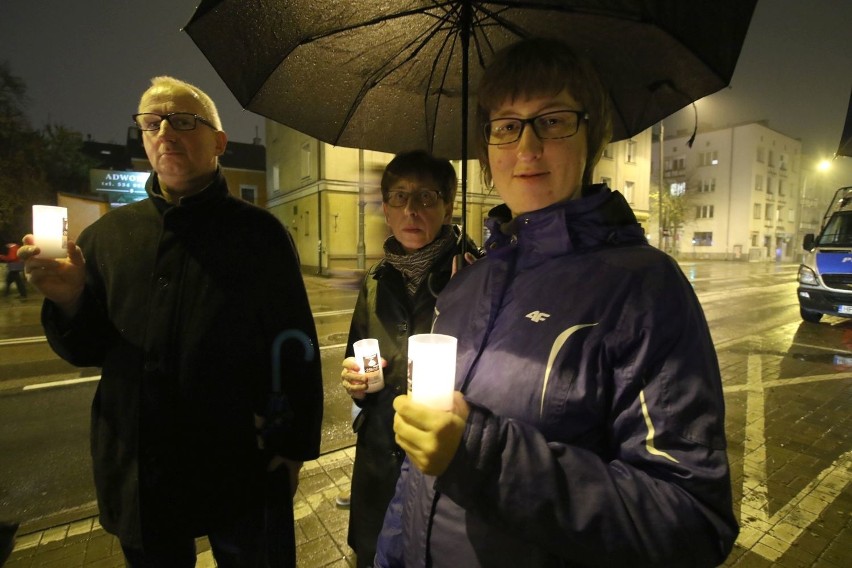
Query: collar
x,y
214,191
600,217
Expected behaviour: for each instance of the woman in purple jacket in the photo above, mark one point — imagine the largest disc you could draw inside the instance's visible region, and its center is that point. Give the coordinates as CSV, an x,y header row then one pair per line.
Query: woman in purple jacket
x,y
588,424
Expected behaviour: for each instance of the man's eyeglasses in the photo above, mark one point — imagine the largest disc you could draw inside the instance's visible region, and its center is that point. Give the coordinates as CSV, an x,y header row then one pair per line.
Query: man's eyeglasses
x,y
547,126
148,121
424,197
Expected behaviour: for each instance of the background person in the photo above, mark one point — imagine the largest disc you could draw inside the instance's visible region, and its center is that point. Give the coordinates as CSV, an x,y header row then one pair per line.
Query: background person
x,y
14,271
589,426
397,299
150,296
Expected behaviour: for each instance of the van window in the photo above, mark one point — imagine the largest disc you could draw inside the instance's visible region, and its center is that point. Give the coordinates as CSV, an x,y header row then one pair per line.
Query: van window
x,y
838,231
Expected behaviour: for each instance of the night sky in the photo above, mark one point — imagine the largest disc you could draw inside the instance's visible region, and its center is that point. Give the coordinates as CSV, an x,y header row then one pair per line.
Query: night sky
x,y
85,63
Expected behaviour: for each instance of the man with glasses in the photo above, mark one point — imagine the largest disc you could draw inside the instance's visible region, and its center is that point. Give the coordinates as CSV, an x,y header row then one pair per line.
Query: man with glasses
x,y
181,443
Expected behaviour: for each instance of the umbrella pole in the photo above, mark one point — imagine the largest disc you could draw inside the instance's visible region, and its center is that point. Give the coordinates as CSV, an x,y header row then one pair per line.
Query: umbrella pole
x,y
466,19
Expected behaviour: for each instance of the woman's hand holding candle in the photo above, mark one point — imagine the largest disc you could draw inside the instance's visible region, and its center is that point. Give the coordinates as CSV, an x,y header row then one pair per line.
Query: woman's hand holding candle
x,y
430,437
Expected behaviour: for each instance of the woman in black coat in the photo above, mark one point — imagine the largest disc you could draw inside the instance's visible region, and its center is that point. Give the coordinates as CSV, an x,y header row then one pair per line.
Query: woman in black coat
x,y
396,300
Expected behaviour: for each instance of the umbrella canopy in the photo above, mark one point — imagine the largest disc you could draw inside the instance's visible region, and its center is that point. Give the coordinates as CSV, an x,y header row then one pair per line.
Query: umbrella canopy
x,y
845,147
398,75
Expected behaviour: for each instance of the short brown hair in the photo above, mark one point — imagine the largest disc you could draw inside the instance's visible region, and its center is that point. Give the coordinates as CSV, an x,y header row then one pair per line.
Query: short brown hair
x,y
420,164
545,67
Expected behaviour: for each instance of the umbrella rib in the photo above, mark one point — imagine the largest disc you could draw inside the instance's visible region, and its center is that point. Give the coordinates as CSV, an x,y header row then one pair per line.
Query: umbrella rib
x,y
449,39
383,70
366,24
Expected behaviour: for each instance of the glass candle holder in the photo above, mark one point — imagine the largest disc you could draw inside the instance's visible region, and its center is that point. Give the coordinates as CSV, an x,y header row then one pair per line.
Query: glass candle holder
x,y
432,369
369,358
50,230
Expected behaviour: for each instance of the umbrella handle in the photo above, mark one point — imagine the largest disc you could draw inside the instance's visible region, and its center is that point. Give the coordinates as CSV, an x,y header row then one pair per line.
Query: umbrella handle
x,y
307,344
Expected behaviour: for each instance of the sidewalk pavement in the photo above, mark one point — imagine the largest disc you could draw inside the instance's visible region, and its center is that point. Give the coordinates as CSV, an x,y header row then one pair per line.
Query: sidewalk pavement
x,y
320,528
788,393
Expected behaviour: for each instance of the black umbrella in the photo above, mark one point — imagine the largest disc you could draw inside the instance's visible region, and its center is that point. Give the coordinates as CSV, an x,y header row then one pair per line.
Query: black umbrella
x,y
398,74
845,147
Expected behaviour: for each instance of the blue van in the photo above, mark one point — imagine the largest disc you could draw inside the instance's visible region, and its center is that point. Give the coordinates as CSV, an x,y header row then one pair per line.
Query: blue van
x,y
825,275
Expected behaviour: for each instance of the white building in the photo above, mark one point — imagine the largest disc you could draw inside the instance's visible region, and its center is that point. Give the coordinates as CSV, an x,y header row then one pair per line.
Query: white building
x,y
329,196
741,188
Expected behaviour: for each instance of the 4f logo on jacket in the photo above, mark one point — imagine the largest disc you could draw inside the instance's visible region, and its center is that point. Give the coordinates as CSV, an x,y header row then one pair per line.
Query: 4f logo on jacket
x,y
537,316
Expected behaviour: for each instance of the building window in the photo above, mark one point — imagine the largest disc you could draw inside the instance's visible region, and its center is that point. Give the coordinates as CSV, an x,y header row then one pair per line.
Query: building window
x,y
677,188
607,153
704,212
781,192
758,211
631,152
769,209
305,160
707,185
276,178
758,182
754,237
761,155
702,238
769,189
249,193
628,191
708,158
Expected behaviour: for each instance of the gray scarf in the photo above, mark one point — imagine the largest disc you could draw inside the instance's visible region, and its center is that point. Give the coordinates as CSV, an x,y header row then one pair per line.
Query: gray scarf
x,y
415,266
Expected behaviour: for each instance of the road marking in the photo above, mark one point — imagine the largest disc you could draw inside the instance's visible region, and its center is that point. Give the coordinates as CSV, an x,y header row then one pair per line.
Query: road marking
x,y
62,383
770,536
43,339
333,313
67,382
22,340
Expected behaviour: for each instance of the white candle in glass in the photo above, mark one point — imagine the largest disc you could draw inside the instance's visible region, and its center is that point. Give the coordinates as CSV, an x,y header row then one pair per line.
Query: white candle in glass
x,y
369,359
432,369
50,230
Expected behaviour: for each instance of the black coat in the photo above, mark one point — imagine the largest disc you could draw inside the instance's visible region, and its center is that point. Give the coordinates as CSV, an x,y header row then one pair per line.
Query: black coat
x,y
181,307
385,312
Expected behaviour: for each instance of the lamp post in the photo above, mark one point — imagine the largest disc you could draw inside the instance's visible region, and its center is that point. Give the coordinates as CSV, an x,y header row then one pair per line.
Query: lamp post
x,y
361,247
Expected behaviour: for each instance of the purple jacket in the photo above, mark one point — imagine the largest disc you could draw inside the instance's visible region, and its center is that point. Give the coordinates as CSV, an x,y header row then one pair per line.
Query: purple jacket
x,y
596,434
